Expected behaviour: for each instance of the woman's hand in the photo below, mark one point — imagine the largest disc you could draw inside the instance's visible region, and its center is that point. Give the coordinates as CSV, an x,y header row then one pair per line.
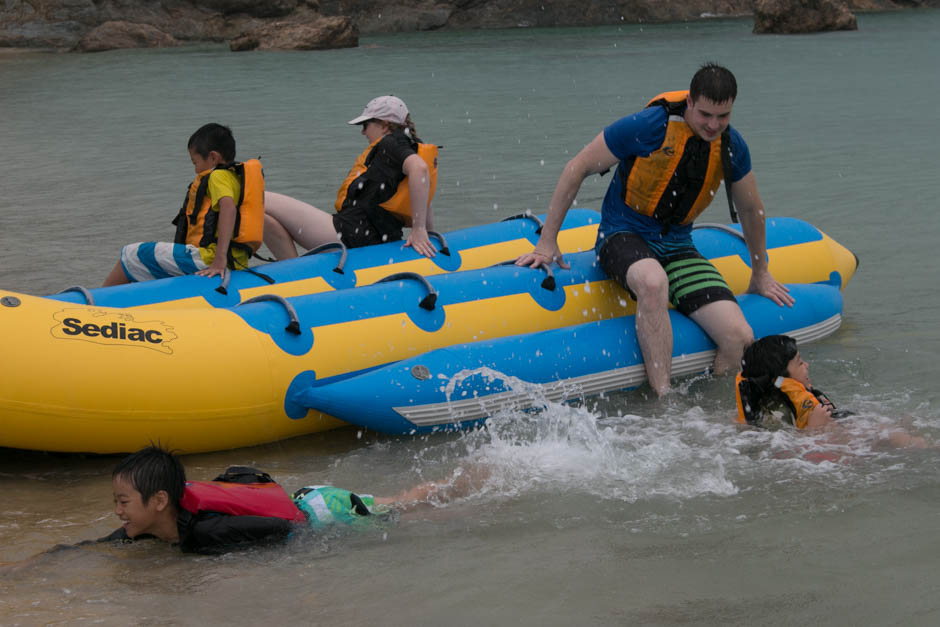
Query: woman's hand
x,y
419,240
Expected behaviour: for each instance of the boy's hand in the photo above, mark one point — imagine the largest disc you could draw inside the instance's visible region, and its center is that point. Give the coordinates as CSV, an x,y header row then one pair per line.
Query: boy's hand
x,y
216,269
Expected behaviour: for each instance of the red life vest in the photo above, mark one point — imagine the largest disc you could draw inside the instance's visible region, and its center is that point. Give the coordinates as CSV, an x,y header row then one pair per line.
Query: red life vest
x,y
240,499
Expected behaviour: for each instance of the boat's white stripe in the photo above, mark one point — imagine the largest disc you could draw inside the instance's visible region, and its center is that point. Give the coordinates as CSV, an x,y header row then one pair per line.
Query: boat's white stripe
x,y
587,385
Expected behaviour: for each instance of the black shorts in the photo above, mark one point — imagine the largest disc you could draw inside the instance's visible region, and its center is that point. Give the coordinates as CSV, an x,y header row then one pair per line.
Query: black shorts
x,y
693,280
358,230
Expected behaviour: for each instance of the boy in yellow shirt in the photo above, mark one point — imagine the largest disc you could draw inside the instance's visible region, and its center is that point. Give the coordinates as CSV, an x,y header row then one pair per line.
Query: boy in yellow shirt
x,y
219,225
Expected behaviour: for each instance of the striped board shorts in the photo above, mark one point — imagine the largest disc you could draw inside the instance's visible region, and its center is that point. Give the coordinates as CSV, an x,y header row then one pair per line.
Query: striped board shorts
x,y
693,280
144,261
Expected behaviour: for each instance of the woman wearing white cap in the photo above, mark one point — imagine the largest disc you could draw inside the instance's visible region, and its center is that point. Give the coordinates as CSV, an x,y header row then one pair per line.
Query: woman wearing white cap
x,y
389,187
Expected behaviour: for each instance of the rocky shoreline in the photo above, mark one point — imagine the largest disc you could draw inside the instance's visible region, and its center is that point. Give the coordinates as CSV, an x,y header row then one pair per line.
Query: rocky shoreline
x,y
96,25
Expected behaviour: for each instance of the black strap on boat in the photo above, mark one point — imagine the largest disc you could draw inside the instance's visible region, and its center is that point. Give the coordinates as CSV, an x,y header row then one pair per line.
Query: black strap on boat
x,y
445,250
329,246
528,215
294,325
719,227
89,299
548,283
232,263
429,300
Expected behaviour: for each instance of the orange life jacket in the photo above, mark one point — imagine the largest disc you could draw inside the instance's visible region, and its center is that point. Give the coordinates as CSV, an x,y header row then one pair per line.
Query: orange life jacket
x,y
677,182
794,399
197,224
400,202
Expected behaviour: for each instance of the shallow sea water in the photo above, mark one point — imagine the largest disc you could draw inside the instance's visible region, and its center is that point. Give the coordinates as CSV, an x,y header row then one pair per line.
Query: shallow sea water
x,y
618,510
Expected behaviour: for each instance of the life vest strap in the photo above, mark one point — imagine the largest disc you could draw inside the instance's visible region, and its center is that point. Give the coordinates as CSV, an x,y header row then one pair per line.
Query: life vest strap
x,y
726,172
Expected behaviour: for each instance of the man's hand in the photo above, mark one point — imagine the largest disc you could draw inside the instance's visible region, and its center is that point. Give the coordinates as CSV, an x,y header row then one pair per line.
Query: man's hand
x,y
766,285
543,254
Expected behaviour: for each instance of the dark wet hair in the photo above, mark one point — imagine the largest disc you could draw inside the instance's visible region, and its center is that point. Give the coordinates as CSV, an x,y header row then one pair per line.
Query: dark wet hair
x,y
153,469
211,137
768,357
714,82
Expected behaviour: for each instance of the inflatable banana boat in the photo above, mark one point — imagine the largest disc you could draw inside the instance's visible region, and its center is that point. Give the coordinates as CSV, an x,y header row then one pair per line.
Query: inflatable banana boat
x,y
92,378
460,386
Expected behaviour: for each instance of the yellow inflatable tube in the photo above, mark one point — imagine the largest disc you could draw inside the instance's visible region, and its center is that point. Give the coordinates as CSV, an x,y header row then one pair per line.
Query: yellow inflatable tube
x,y
80,378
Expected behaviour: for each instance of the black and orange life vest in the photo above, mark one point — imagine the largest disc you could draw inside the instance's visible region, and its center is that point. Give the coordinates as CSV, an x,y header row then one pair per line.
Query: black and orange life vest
x,y
400,202
261,497
677,182
197,224
756,397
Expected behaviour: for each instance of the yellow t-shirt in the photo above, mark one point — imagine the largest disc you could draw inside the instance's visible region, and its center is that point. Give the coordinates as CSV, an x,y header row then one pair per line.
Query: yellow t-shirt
x,y
222,184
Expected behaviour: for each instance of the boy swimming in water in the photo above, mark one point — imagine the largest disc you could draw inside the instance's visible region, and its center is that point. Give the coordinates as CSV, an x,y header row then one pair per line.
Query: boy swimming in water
x,y
153,500
774,388
241,507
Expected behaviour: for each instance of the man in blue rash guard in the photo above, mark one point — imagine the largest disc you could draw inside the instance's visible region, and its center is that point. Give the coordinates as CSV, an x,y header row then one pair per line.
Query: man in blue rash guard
x,y
670,159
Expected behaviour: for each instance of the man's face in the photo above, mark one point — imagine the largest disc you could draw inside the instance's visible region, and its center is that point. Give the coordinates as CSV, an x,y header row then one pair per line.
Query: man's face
x,y
708,119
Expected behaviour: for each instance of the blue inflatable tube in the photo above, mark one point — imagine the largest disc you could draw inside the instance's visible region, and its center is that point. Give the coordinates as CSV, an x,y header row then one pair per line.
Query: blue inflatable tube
x,y
334,267
460,386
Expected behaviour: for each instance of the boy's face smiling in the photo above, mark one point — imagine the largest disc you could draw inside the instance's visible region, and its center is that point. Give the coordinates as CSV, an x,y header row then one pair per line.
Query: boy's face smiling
x,y
798,369
138,518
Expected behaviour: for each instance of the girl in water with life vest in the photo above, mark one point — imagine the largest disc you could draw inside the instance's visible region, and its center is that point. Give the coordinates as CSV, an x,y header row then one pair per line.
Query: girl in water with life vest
x,y
389,187
774,389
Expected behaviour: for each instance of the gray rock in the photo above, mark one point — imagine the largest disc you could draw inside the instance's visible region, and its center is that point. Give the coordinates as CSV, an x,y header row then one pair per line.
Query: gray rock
x,y
42,34
86,25
317,34
254,8
802,16
117,35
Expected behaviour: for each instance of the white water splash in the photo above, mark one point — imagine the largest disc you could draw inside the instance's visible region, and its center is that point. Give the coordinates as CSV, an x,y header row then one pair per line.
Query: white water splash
x,y
562,447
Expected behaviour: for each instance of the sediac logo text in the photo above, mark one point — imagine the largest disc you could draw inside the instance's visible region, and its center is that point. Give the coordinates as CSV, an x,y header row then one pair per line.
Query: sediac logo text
x,y
112,329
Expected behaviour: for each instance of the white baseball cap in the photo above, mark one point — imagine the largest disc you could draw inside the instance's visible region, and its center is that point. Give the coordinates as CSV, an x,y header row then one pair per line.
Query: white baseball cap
x,y
387,108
